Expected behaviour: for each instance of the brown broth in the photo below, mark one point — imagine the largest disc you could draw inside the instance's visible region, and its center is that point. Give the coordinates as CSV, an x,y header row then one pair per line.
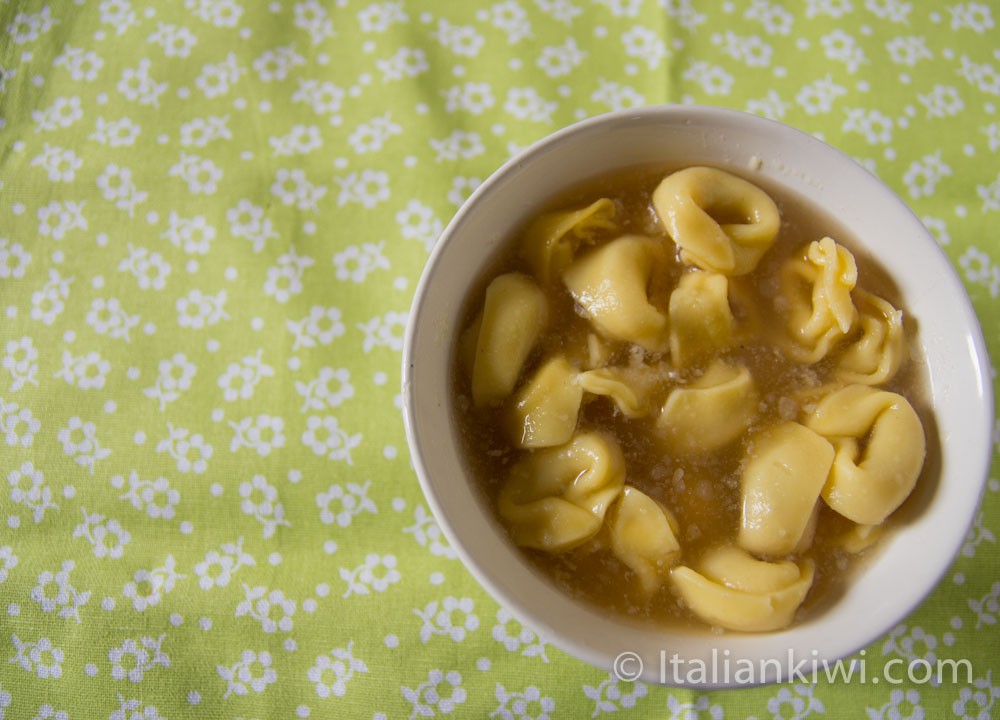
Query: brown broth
x,y
703,492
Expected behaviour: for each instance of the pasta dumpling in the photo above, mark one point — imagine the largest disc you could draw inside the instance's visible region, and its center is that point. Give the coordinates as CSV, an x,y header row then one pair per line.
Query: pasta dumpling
x,y
556,498
643,535
630,388
551,241
711,412
611,284
701,321
867,485
731,589
817,288
513,317
720,222
781,483
877,354
545,410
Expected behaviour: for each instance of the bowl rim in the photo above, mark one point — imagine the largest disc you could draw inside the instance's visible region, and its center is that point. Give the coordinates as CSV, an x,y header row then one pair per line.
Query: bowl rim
x,y
507,172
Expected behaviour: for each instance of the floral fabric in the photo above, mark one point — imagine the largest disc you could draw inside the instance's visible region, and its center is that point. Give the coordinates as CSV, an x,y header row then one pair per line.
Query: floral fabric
x,y
213,214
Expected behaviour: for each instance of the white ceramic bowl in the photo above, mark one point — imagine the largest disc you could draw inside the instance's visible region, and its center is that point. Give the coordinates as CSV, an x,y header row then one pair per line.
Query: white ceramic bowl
x,y
906,566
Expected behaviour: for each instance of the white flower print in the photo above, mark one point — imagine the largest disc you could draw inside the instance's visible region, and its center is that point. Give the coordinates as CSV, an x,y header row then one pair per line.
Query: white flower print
x,y
472,97
384,331
181,444
60,164
149,269
972,15
982,697
199,132
20,359
770,106
218,566
458,145
47,712
132,660
300,140
192,235
154,497
527,705
911,644
990,195
992,132
108,317
107,536
427,533
253,672
693,710
175,41
462,188
978,534
116,186
247,220
646,45
512,19
609,696
341,503
896,11
264,607
147,587
284,279
260,501
87,372
8,561
294,189
82,65
617,96
58,218
220,13
773,16
175,376
240,379
201,174
525,103
462,40
318,393
42,657
622,8
875,126
562,10
418,222
515,637
217,79
923,175
321,326
135,710
55,593
908,50
14,259
839,46
559,60
376,573
273,65
263,433
451,617
713,79
367,188
314,19
817,97
939,228
18,425
324,436
333,671
324,97
79,441
373,135
196,310
119,14
797,702
941,101
892,709
984,76
380,16
28,27
62,113
751,50
28,488
136,85
442,692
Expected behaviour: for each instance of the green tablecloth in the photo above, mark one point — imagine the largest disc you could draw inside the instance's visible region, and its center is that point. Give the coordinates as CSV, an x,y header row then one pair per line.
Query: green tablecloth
x,y
213,215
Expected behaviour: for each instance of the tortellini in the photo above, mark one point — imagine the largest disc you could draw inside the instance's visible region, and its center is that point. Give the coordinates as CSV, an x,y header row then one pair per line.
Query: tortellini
x,y
610,283
682,407
552,240
711,412
731,589
514,315
701,322
556,498
781,483
643,535
816,286
866,485
720,222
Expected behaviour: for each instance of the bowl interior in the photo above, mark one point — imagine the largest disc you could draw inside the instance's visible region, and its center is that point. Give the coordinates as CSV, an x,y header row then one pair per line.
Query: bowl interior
x,y
911,560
